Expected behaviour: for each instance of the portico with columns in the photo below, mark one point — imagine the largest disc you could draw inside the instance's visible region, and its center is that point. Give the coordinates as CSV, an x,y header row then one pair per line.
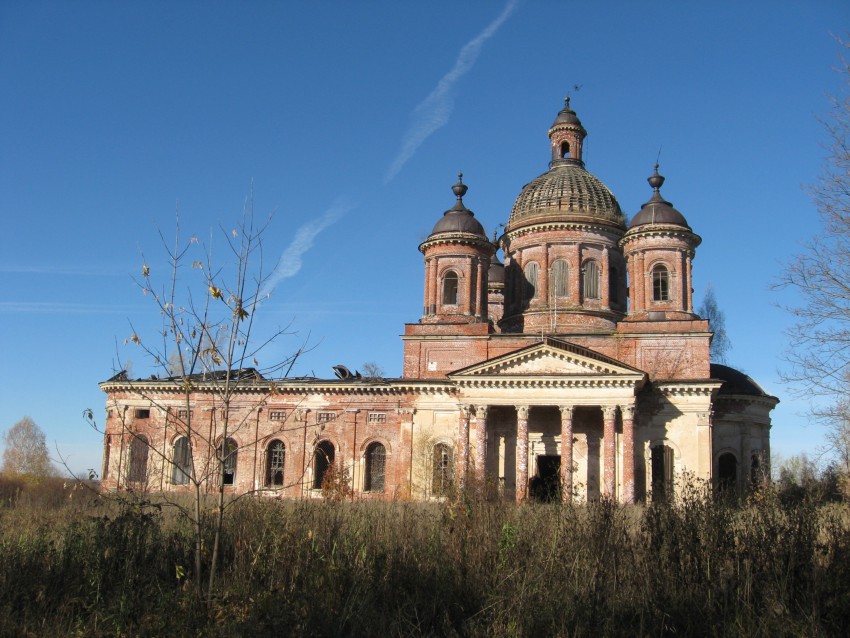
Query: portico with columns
x,y
550,412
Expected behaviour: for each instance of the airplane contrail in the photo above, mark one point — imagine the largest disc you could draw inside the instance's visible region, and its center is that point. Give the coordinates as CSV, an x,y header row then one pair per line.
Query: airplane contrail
x,y
290,261
434,111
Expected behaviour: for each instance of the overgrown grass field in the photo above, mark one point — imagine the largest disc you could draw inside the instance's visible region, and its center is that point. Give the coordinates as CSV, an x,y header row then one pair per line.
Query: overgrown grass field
x,y
74,564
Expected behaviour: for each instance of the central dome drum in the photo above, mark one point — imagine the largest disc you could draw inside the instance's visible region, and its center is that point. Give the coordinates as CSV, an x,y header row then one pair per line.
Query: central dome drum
x,y
567,192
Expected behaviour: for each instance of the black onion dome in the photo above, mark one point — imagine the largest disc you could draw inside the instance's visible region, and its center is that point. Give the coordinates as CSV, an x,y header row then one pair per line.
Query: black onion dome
x,y
459,219
735,381
567,192
496,274
658,210
566,116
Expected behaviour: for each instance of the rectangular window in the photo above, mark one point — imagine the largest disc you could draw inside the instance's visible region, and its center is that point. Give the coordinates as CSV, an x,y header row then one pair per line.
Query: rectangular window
x,y
277,415
325,417
184,414
377,417
142,413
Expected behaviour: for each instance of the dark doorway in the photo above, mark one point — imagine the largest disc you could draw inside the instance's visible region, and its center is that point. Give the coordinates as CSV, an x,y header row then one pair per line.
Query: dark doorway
x,y
546,484
727,472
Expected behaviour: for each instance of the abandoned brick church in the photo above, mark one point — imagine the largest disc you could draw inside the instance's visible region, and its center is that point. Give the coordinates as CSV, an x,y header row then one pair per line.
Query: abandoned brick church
x,y
573,368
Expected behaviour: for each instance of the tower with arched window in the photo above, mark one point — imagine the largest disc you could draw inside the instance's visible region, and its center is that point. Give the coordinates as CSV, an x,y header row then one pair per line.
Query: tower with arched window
x,y
659,248
457,260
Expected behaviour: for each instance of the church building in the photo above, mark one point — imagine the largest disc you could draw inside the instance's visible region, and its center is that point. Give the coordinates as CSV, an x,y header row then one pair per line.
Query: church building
x,y
573,368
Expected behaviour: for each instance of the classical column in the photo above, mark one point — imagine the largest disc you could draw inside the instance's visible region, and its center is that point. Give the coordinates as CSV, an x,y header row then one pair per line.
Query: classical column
x,y
605,288
746,458
521,453
628,413
480,442
690,285
609,414
567,453
463,445
427,288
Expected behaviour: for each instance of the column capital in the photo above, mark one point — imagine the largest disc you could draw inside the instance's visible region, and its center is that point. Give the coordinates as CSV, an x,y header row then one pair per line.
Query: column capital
x,y
481,411
522,411
628,411
465,411
609,411
566,411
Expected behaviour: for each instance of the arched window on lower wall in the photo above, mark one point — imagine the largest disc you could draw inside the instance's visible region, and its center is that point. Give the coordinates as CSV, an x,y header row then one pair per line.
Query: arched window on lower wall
x,y
376,459
275,457
229,451
442,476
662,473
727,472
181,461
137,472
323,460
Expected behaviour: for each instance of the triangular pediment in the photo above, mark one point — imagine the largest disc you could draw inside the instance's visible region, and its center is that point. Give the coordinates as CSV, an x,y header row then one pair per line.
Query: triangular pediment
x,y
550,357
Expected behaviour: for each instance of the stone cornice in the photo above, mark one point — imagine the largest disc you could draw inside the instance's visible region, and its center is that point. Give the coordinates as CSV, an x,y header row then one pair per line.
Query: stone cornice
x,y
550,381
660,230
393,386
459,238
704,388
610,230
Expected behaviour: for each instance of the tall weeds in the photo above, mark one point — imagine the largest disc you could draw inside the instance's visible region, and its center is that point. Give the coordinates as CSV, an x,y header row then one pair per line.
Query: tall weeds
x,y
466,567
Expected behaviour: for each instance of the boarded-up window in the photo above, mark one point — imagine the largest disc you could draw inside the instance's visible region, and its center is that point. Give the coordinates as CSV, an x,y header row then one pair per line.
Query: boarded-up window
x,y
561,278
138,469
377,417
325,417
590,280
529,290
181,461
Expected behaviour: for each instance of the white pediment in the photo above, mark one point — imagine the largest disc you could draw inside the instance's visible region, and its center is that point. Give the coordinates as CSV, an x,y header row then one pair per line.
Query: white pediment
x,y
548,358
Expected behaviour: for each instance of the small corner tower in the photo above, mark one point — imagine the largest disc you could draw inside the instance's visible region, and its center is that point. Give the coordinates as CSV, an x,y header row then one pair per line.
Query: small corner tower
x,y
659,248
457,258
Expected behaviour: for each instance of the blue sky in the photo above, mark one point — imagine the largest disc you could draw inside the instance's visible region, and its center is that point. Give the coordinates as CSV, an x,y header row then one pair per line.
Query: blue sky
x,y
353,119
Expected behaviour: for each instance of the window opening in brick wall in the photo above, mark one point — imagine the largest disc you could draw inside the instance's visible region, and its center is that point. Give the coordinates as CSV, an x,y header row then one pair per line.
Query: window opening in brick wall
x,y
442,478
590,280
727,472
325,417
181,460
450,288
142,413
529,289
662,473
323,459
138,469
229,456
277,415
377,417
376,456
660,284
561,278
275,457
